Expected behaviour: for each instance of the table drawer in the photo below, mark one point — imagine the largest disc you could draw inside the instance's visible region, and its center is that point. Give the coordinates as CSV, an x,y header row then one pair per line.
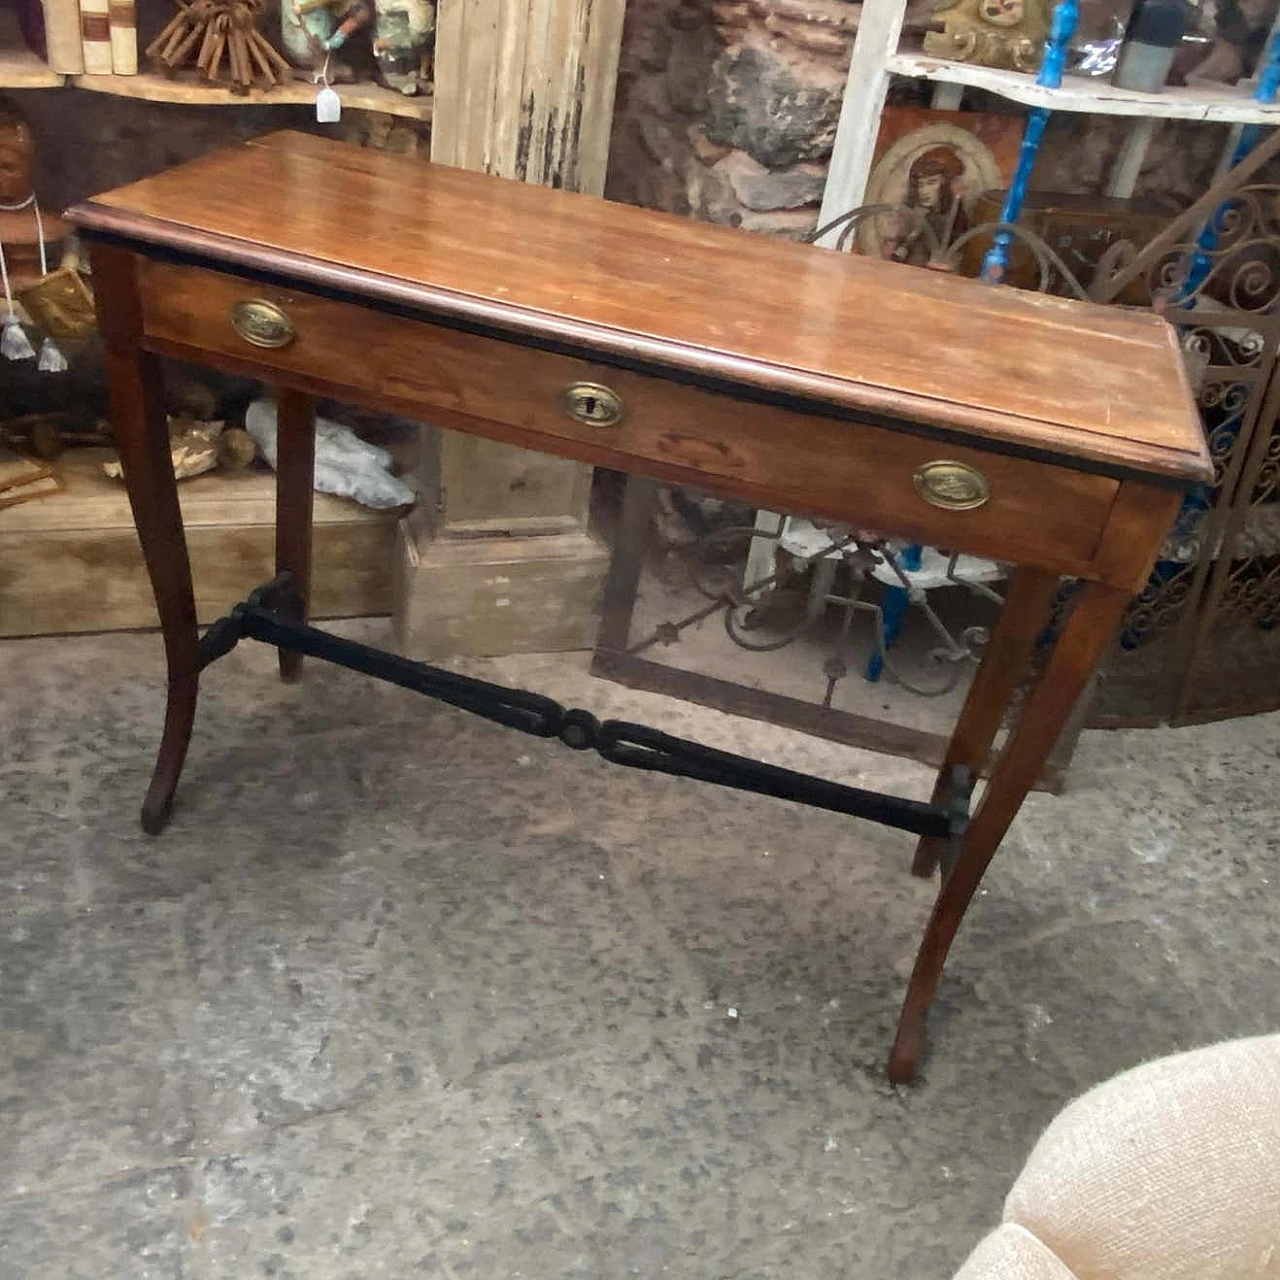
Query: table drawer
x,y
953,495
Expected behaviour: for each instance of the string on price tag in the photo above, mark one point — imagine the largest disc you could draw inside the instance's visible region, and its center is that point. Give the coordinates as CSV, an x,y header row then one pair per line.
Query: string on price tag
x,y
328,104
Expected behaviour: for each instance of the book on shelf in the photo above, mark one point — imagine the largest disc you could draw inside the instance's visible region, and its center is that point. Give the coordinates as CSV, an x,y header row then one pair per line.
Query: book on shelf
x,y
62,37
95,36
124,37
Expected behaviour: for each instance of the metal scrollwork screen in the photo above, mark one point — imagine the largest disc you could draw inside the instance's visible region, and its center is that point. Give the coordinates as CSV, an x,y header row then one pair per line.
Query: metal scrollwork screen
x,y
1200,641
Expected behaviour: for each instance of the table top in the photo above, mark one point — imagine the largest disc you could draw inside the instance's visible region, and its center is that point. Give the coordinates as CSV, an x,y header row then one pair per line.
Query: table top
x,y
1065,379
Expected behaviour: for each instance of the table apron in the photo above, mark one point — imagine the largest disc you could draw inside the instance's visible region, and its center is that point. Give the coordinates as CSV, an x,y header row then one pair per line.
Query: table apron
x,y
1042,514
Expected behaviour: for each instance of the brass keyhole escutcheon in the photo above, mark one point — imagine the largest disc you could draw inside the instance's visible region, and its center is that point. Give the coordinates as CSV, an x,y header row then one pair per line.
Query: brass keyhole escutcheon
x,y
953,486
262,323
593,404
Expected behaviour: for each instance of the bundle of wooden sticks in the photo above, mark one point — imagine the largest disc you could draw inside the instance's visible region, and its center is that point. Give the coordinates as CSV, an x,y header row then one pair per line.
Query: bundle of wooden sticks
x,y
212,30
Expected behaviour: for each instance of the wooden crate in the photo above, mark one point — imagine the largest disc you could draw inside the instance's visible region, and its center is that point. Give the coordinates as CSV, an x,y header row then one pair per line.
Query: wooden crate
x,y
516,595
71,562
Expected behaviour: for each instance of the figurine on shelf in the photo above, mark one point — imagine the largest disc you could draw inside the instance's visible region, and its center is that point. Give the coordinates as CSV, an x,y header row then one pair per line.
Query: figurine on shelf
x,y
349,16
26,238
1007,34
304,33
1241,28
206,31
402,43
313,30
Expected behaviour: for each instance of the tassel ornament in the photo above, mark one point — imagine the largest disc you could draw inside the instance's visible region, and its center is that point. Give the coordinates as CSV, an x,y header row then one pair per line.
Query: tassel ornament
x,y
15,345
51,358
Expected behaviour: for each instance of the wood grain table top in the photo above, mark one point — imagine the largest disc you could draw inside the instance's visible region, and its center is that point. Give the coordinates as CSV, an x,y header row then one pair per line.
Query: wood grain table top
x,y
1059,378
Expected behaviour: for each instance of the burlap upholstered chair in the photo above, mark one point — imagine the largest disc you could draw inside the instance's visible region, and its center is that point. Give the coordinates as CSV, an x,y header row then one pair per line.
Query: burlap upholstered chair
x,y
1170,1171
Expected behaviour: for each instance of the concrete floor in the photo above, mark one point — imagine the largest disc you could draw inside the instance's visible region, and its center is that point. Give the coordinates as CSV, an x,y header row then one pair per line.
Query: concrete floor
x,y
401,993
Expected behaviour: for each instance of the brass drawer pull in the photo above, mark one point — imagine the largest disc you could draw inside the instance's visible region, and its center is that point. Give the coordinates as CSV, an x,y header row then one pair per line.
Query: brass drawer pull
x,y
953,486
262,323
593,404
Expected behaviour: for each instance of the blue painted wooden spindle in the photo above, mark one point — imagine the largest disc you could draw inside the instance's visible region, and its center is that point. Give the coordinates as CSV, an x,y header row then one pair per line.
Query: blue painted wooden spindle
x,y
894,604
1066,15
1265,93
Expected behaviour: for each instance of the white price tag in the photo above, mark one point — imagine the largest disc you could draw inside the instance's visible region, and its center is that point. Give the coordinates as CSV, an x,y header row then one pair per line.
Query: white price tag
x,y
328,105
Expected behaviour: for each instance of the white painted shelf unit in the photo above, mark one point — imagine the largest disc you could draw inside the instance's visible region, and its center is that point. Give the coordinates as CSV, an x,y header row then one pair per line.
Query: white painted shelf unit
x,y
877,58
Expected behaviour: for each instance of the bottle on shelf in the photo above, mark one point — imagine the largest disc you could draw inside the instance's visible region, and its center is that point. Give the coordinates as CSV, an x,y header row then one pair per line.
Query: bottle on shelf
x,y
1150,41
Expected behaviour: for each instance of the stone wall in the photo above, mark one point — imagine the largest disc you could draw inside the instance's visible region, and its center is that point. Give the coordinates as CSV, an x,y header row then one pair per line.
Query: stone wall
x,y
727,111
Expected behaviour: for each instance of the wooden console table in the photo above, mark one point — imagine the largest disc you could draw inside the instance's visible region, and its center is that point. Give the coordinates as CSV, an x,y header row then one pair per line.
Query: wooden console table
x,y
1051,434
